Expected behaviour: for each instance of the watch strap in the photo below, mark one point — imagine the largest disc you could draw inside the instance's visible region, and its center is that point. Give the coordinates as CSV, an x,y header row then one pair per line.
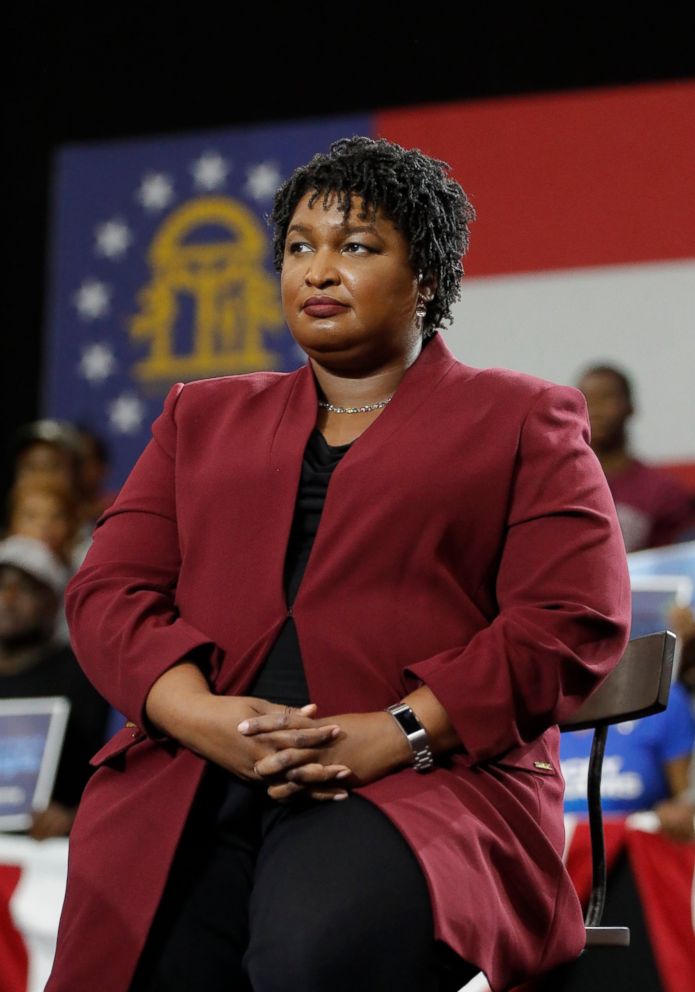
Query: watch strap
x,y
417,736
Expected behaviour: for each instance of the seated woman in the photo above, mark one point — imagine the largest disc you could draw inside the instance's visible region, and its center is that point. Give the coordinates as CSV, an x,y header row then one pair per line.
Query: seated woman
x,y
382,579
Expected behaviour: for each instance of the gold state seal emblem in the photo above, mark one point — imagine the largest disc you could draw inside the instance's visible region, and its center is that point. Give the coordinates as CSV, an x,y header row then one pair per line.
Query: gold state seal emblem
x,y
217,287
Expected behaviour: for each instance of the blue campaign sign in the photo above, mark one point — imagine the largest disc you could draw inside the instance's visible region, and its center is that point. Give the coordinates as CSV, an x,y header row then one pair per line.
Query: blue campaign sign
x,y
31,737
661,579
675,559
161,270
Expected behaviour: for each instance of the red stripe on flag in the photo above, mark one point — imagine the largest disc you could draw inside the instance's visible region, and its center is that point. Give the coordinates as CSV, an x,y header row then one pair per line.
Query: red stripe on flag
x,y
566,180
664,870
13,955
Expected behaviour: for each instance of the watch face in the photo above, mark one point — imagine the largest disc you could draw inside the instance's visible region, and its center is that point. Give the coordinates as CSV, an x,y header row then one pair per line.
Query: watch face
x,y
409,721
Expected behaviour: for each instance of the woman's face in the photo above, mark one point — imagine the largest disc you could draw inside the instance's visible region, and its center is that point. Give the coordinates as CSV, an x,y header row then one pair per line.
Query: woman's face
x,y
348,290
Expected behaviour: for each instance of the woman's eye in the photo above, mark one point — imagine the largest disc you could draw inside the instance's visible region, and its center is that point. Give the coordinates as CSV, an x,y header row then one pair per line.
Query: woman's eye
x,y
357,248
298,247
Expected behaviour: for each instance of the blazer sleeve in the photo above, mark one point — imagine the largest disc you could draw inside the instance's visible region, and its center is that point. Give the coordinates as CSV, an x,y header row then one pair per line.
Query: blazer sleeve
x,y
562,590
124,625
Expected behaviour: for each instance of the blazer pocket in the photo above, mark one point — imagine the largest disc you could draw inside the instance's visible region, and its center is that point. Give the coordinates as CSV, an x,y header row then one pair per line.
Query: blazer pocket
x,y
121,742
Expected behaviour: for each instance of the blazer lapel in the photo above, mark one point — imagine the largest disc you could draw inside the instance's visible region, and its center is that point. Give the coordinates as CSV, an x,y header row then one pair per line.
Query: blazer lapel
x,y
415,388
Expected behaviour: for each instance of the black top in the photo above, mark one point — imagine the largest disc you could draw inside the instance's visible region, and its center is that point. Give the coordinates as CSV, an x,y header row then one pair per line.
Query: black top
x,y
281,677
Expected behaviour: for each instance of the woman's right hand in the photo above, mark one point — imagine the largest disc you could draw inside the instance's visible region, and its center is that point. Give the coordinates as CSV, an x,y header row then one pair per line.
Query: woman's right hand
x,y
181,705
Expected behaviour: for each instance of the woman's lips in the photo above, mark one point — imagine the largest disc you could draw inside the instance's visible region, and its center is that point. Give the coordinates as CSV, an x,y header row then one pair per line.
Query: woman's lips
x,y
323,308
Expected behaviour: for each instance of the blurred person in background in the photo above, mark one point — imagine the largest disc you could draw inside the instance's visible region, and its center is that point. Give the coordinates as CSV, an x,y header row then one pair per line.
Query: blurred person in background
x,y
49,450
682,623
45,509
677,815
33,663
57,453
653,509
646,766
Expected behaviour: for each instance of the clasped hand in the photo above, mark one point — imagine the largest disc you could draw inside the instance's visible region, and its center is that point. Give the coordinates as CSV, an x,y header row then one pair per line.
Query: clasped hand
x,y
287,749
290,750
357,748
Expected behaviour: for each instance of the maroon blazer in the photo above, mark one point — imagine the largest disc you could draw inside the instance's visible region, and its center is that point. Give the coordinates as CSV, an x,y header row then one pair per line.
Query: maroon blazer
x,y
468,541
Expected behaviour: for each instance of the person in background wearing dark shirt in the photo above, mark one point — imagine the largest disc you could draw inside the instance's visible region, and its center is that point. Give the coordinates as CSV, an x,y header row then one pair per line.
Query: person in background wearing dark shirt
x,y
653,509
33,664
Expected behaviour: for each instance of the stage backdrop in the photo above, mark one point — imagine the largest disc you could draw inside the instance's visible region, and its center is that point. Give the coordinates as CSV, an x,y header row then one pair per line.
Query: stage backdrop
x,y
583,251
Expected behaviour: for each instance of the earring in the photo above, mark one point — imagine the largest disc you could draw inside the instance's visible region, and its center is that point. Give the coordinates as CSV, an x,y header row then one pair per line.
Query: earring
x,y
421,308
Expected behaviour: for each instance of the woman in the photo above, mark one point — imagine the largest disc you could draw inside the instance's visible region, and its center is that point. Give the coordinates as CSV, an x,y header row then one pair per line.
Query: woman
x,y
468,564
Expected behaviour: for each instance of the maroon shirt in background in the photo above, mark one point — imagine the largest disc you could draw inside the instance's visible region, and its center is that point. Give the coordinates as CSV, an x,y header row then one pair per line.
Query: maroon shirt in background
x,y
653,509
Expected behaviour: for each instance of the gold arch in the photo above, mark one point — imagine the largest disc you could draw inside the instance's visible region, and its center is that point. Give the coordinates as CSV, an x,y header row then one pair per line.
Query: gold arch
x,y
234,299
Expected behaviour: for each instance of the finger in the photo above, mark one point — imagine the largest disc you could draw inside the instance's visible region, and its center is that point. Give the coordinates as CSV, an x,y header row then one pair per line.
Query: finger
x,y
315,773
282,792
284,720
279,762
305,737
285,792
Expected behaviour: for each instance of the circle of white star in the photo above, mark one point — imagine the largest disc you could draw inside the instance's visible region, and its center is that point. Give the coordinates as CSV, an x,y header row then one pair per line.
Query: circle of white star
x,y
156,191
97,362
92,299
126,413
113,238
209,171
262,180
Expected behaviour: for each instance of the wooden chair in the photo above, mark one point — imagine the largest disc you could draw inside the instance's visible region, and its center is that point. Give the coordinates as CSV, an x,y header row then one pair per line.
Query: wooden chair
x,y
638,686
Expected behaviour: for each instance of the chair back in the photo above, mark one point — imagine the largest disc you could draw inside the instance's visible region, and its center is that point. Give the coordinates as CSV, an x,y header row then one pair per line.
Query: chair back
x,y
637,687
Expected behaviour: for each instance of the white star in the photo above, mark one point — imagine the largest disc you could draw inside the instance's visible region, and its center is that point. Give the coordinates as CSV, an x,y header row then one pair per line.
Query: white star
x,y
156,191
262,180
92,299
97,362
209,171
126,413
113,238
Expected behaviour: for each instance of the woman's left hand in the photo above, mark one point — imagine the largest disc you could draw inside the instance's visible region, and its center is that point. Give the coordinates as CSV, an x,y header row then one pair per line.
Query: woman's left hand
x,y
370,744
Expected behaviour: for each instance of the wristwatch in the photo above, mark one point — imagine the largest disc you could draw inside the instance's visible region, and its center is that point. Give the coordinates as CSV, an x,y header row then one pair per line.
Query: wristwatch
x,y
418,738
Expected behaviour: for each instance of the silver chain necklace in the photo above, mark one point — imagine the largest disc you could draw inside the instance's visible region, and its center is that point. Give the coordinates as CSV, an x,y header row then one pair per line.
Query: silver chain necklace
x,y
367,408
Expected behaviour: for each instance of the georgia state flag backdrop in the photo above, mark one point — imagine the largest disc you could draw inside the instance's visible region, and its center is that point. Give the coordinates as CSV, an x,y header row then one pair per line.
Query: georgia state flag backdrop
x,y
583,250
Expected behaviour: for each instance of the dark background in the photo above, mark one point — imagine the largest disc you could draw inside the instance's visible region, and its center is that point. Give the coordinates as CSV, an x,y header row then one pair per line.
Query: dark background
x,y
105,71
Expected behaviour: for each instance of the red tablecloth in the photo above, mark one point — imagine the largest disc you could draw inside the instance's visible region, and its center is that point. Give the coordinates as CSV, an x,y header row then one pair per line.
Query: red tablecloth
x,y
664,873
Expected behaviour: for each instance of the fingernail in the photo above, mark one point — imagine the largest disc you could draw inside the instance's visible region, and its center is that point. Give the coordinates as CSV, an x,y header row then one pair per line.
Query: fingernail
x,y
340,795
309,706
243,726
335,731
344,774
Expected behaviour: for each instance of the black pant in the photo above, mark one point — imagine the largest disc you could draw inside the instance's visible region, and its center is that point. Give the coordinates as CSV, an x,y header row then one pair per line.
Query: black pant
x,y
321,897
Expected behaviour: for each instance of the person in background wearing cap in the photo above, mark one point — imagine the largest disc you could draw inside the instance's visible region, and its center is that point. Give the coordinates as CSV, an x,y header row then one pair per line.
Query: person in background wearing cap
x,y
33,663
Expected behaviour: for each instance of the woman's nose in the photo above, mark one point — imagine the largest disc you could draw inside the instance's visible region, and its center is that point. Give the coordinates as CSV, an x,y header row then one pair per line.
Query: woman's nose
x,y
321,271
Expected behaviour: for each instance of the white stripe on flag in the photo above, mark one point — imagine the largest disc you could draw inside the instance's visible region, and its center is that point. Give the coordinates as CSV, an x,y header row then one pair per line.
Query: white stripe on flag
x,y
36,902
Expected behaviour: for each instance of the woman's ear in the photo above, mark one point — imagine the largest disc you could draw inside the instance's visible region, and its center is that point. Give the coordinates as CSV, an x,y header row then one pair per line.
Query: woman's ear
x,y
427,286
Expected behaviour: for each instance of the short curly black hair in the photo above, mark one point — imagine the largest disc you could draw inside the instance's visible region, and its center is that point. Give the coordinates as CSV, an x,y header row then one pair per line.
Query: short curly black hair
x,y
413,190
